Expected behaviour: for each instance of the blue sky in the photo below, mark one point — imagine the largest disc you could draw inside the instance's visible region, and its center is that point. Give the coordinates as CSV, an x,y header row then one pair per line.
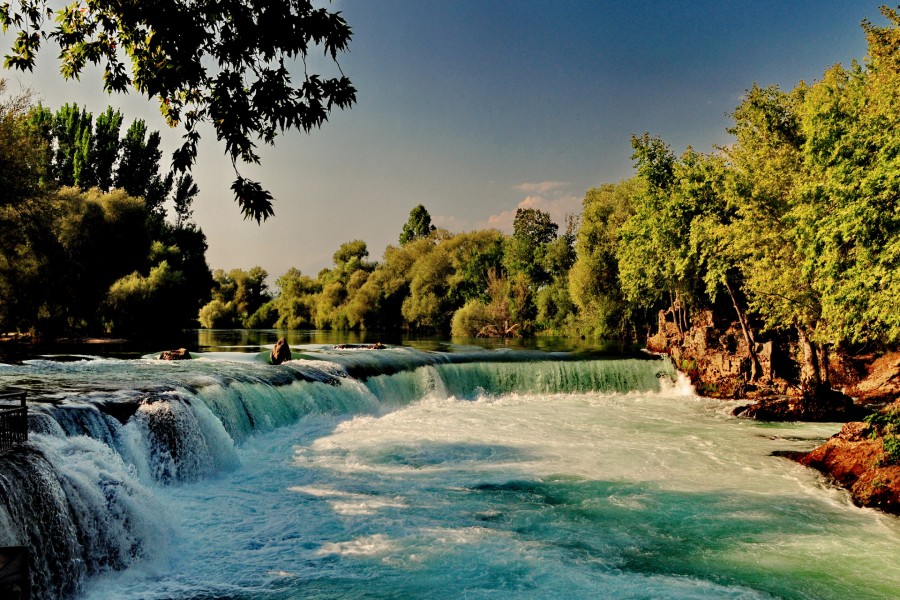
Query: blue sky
x,y
474,108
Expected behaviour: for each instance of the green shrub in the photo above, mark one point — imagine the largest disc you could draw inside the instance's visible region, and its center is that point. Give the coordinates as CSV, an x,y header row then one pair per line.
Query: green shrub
x,y
891,445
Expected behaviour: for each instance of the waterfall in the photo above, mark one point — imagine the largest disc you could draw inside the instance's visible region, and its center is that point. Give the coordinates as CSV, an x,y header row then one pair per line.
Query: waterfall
x,y
79,508
80,493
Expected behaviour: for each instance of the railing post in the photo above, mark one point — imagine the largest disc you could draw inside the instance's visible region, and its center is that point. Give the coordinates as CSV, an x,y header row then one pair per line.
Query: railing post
x,y
13,421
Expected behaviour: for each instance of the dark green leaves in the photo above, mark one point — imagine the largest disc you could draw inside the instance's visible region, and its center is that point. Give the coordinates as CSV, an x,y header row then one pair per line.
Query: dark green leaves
x,y
255,202
220,62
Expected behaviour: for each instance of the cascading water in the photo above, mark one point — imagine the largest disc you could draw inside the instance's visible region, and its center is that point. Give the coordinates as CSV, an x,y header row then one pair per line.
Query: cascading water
x,y
400,473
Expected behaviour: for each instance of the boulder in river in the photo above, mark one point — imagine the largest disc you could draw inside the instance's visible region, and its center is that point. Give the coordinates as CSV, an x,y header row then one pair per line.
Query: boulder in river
x,y
180,354
281,352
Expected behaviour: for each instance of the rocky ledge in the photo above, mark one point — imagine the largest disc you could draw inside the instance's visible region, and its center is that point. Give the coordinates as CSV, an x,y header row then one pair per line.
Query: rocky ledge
x,y
864,458
825,407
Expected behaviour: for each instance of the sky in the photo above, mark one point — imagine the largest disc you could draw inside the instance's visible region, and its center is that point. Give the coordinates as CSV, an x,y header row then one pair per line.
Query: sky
x,y
477,108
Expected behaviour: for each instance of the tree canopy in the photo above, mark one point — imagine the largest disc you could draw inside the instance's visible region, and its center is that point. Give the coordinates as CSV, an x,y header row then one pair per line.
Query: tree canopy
x,y
417,226
224,63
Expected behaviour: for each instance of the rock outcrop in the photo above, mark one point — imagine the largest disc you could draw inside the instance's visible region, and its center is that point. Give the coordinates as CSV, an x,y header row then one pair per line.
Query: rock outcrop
x,y
281,352
717,358
827,407
880,383
856,458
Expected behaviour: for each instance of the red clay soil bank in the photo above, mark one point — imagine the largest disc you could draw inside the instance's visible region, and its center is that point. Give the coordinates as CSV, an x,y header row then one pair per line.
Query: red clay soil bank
x,y
856,461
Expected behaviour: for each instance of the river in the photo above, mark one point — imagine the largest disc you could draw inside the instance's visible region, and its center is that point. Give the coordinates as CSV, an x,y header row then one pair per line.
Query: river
x,y
411,473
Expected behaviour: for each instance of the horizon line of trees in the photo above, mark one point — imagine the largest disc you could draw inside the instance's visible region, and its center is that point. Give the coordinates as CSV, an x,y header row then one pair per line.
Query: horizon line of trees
x,y
793,231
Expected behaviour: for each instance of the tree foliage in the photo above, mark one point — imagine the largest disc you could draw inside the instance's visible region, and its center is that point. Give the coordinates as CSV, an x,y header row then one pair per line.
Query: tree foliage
x,y
89,258
418,226
228,64
23,164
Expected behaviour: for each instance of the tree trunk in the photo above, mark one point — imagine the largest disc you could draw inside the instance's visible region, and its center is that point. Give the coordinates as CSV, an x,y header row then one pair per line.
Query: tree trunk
x,y
674,310
682,312
824,369
755,368
810,377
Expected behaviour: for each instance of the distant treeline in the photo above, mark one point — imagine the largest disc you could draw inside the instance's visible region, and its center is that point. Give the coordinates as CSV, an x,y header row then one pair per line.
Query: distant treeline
x,y
795,227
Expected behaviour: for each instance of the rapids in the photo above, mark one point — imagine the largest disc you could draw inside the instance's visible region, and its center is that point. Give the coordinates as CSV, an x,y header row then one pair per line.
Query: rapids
x,y
403,473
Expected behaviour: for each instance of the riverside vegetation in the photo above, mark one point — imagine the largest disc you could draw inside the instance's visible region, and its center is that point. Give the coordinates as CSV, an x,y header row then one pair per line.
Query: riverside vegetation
x,y
768,267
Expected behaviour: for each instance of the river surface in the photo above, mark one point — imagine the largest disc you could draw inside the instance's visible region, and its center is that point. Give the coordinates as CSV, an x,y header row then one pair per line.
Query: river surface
x,y
408,473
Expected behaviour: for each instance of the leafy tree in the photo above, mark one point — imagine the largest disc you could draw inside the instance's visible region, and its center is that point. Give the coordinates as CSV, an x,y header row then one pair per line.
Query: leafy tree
x,y
533,230
224,64
417,226
650,240
294,300
237,296
64,248
147,305
767,170
105,148
847,220
72,133
499,316
218,315
350,255
185,191
427,308
473,256
138,169
23,150
594,286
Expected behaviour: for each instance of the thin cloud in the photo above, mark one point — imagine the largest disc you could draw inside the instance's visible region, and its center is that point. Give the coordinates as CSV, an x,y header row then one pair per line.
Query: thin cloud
x,y
557,207
541,187
451,224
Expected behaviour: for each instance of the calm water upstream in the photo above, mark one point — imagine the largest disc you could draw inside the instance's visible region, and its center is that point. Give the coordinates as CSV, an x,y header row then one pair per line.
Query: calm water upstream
x,y
406,473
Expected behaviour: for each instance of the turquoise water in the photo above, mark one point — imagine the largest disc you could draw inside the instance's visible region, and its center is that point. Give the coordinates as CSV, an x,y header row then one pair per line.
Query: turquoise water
x,y
476,477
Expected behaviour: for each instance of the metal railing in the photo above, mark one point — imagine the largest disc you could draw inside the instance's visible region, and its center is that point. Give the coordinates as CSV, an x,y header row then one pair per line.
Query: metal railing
x,y
13,421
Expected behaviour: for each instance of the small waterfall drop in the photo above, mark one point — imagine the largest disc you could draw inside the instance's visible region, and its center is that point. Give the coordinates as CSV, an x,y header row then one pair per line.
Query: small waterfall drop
x,y
109,433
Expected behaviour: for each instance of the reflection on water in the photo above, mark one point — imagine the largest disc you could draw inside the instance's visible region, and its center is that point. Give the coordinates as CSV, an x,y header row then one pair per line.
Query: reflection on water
x,y
254,340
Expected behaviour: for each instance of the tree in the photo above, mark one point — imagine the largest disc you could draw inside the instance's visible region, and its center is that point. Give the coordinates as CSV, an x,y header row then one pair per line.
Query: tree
x,y
72,133
767,171
138,169
294,300
350,253
185,192
848,211
417,226
533,230
105,147
23,150
651,239
224,64
594,278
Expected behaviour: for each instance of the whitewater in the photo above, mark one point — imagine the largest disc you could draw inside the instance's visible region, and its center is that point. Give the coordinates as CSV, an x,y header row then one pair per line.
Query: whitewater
x,y
403,473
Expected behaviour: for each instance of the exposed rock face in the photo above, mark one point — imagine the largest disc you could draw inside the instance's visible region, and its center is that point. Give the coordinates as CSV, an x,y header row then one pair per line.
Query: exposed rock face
x,y
856,461
180,354
717,358
881,383
281,352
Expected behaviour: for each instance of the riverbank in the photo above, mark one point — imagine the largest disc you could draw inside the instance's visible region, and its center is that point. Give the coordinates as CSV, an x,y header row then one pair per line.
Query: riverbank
x,y
862,390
